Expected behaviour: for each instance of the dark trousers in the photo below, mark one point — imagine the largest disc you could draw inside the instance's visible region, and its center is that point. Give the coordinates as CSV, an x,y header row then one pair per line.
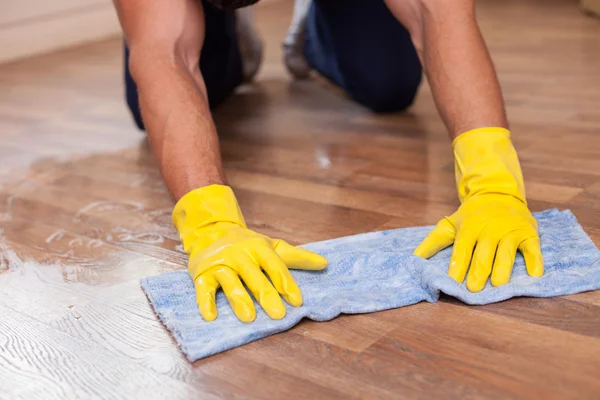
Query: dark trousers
x,y
357,44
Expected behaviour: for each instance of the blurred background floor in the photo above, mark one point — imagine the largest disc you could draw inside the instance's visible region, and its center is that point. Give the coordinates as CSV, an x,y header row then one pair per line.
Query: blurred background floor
x,y
84,214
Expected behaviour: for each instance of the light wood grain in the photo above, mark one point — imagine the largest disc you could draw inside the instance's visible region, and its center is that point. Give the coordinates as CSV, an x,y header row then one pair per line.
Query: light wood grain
x,y
84,215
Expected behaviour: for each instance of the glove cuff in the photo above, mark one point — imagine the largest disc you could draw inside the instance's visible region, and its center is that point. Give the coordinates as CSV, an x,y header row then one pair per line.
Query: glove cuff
x,y
203,207
486,162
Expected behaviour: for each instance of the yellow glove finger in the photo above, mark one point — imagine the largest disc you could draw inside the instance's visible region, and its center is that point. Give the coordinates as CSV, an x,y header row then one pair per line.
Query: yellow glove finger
x,y
299,258
261,288
461,254
438,239
534,261
206,287
280,275
483,259
236,294
505,258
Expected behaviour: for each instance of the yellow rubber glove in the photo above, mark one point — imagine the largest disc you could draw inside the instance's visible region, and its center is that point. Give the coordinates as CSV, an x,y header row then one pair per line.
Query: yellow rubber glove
x,y
223,253
493,221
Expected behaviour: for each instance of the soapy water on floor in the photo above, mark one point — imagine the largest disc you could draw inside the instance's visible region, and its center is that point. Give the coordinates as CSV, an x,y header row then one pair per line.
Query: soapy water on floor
x,y
88,287
62,339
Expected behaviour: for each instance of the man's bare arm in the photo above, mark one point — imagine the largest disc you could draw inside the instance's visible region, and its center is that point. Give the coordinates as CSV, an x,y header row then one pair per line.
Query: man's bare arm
x,y
165,39
456,61
493,221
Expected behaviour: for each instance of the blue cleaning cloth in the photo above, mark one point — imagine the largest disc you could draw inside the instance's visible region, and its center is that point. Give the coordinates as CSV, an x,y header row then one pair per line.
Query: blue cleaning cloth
x,y
373,272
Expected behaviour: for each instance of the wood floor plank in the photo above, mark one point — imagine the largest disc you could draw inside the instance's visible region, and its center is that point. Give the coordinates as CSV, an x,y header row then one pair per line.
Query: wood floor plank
x,y
299,221
559,313
341,196
54,365
499,351
592,298
354,333
274,383
329,365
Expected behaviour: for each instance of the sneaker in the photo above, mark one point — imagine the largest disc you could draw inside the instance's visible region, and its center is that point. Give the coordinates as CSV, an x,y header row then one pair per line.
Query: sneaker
x,y
293,44
250,43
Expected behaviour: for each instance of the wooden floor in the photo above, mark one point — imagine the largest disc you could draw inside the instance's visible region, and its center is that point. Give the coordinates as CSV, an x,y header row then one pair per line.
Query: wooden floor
x,y
84,215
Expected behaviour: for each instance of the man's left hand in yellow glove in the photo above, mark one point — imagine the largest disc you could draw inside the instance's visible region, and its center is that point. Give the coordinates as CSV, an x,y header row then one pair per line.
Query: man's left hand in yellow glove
x,y
493,220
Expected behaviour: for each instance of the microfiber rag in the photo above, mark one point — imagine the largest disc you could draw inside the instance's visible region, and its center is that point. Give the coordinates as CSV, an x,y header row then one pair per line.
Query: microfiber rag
x,y
373,272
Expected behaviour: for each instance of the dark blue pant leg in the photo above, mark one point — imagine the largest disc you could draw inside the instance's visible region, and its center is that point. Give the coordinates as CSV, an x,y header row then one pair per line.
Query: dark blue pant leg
x,y
220,62
361,47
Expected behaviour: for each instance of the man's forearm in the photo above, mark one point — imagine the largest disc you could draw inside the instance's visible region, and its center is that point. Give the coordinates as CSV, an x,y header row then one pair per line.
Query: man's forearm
x,y
493,220
456,61
181,130
165,38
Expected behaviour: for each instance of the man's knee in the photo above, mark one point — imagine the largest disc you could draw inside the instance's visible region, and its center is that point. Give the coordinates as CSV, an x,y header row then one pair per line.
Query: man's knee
x,y
365,51
385,95
131,93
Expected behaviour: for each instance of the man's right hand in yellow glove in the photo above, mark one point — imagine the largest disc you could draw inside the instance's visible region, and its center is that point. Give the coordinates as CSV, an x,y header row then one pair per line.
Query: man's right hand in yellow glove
x,y
224,253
